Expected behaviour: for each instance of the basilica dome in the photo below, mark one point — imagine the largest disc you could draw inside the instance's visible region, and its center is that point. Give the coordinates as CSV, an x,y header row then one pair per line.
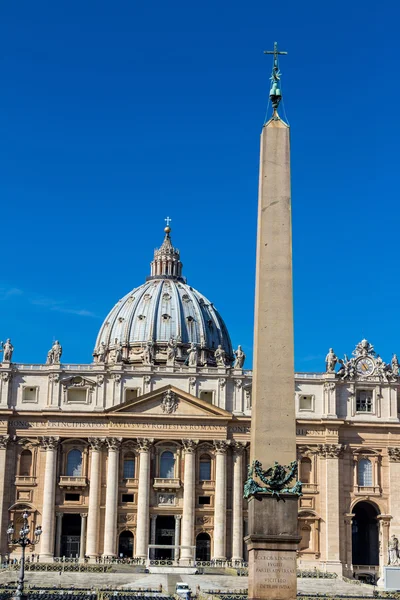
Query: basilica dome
x,y
163,319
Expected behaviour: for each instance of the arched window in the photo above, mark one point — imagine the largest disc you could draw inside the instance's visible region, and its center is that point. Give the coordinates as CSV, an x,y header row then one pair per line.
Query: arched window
x,y
305,470
365,472
305,541
25,463
74,463
167,465
129,467
205,468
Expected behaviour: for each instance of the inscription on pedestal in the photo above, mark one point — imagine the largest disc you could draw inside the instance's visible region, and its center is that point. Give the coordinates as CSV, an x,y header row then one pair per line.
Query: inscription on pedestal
x,y
273,574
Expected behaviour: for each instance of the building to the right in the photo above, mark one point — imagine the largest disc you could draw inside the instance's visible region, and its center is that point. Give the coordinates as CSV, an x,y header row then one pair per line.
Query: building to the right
x,y
348,444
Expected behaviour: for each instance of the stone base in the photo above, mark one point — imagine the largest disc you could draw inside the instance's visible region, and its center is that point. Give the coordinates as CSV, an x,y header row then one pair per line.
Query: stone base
x,y
391,579
272,544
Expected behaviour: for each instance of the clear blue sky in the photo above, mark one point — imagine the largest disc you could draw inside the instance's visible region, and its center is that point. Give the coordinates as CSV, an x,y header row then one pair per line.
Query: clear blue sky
x,y
114,115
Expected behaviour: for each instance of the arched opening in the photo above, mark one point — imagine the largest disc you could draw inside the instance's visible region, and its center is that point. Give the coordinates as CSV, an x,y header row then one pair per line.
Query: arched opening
x,y
205,468
365,535
365,472
165,536
305,542
74,463
167,465
71,535
125,545
129,466
203,547
305,470
25,463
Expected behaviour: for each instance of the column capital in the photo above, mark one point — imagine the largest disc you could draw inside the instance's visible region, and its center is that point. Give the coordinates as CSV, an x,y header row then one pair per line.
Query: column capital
x,y
4,440
59,515
178,517
330,450
394,454
221,446
144,444
84,515
153,517
189,446
96,443
238,447
113,443
49,442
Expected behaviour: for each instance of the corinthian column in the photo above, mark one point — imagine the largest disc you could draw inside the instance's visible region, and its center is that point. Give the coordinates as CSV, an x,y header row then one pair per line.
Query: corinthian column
x,y
142,524
4,439
49,492
92,537
237,503
220,500
189,481
110,525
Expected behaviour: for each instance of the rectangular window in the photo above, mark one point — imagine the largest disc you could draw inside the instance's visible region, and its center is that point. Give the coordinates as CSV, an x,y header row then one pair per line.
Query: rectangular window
x,y
129,468
72,497
131,394
204,500
30,394
76,395
205,470
364,401
207,396
127,497
306,402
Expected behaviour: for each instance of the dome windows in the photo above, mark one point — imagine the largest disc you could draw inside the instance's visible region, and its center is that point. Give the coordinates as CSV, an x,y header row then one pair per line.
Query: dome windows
x,y
165,317
141,317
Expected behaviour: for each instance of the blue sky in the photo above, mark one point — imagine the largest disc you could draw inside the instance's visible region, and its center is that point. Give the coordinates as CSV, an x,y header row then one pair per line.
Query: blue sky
x,y
114,115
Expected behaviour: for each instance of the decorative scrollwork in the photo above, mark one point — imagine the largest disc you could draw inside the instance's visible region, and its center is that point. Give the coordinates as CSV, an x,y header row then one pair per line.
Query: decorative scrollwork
x,y
277,480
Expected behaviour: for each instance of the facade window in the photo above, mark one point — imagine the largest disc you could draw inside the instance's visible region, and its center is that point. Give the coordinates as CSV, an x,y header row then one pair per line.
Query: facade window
x,y
30,394
167,465
204,500
127,497
77,396
25,463
131,394
205,468
207,396
74,463
305,470
129,468
365,473
72,497
305,543
364,401
306,402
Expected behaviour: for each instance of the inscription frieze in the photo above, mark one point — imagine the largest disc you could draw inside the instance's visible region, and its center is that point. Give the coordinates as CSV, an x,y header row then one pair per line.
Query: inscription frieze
x,y
135,425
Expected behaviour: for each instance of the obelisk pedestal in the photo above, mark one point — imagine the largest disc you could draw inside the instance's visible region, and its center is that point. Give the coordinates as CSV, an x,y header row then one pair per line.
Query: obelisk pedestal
x,y
273,498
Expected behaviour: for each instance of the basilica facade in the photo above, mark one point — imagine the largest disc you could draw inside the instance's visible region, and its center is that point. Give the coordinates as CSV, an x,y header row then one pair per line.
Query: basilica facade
x,y
143,452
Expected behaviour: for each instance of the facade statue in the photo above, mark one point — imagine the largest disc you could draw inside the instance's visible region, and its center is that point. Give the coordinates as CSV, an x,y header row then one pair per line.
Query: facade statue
x,y
171,352
101,352
54,354
331,360
192,356
7,348
364,348
240,358
117,352
219,356
148,353
395,365
393,551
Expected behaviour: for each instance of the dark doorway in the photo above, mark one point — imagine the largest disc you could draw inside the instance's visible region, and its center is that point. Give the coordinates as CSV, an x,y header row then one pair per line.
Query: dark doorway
x,y
165,534
365,535
71,536
125,546
203,547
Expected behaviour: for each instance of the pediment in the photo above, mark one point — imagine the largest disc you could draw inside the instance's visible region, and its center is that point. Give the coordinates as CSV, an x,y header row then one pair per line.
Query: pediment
x,y
78,381
170,401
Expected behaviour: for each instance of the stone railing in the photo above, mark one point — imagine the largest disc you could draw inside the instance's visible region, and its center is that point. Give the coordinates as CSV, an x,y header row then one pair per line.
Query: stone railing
x,y
162,482
25,480
72,482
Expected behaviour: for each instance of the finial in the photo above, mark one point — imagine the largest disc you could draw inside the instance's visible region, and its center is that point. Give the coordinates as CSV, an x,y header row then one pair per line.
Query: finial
x,y
167,229
275,92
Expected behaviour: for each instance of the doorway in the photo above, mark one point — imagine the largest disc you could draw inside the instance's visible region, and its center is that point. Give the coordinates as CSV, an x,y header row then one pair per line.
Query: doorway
x,y
125,546
165,535
203,547
365,535
71,535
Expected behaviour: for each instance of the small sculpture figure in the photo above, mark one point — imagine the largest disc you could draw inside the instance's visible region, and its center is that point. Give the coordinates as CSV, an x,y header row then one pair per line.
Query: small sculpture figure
x,y
219,356
240,358
395,365
148,353
54,354
347,368
393,550
169,402
117,352
171,352
364,348
7,348
101,353
331,360
192,356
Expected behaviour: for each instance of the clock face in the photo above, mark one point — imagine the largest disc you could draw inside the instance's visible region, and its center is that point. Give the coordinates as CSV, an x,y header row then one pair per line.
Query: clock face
x,y
365,366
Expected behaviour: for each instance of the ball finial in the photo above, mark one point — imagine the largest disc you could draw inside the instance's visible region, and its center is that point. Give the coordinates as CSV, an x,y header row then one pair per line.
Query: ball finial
x,y
167,229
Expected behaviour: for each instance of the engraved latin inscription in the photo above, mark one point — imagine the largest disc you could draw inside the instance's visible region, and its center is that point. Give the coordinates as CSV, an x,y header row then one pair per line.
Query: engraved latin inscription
x,y
274,570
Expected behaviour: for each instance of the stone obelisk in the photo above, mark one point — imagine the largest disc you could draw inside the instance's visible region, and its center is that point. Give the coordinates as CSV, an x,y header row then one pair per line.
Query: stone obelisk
x,y
273,538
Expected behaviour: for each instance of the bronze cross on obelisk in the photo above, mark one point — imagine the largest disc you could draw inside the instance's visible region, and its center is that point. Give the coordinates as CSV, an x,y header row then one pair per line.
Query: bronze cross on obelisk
x,y
275,92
